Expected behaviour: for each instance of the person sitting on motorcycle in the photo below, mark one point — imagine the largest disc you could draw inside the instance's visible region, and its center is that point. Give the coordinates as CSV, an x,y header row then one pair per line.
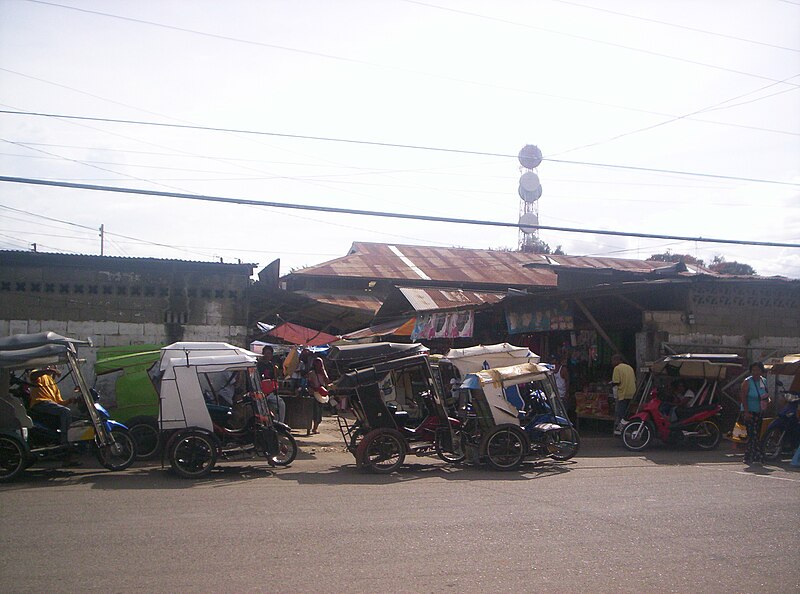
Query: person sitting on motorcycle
x,y
45,399
680,397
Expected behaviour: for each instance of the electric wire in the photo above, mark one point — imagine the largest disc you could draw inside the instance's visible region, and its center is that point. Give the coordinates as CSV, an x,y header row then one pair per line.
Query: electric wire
x,y
365,62
398,145
583,38
677,26
373,213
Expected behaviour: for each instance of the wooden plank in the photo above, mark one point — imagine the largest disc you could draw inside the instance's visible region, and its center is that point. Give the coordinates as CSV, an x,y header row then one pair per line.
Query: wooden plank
x,y
597,326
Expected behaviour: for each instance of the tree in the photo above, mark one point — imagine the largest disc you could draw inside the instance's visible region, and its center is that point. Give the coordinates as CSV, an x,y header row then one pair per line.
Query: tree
x,y
721,266
668,256
534,245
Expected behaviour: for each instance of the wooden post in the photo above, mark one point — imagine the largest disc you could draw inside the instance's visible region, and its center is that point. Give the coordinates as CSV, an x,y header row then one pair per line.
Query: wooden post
x,y
597,327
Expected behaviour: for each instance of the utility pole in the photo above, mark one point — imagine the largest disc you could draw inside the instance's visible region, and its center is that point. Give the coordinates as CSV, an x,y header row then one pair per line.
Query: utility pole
x,y
34,247
102,239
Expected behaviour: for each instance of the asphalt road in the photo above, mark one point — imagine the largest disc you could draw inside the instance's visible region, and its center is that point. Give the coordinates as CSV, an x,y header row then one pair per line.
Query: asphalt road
x,y
608,521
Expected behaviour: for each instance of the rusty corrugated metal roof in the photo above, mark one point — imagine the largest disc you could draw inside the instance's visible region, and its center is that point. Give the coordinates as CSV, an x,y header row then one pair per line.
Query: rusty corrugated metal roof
x,y
435,264
424,299
361,301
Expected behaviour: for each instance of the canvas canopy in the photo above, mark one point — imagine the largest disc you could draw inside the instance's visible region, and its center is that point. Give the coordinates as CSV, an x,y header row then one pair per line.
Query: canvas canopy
x,y
473,359
706,366
301,335
506,376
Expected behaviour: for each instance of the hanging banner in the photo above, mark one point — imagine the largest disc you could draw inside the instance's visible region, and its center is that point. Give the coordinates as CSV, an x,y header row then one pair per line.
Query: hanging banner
x,y
540,319
457,324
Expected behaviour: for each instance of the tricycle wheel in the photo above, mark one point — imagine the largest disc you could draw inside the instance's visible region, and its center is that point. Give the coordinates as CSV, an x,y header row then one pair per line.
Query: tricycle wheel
x,y
444,448
146,436
637,435
773,443
287,449
708,435
120,454
381,451
505,447
193,454
564,443
13,458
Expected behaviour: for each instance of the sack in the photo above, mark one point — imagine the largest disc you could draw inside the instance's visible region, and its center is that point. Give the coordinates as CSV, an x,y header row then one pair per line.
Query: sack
x,y
739,432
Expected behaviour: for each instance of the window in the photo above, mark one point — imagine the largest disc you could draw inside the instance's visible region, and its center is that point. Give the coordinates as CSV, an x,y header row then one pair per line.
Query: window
x,y
173,317
192,292
78,289
149,291
49,288
219,294
205,293
163,292
122,290
21,287
108,290
36,287
63,289
136,290
232,295
92,289
5,286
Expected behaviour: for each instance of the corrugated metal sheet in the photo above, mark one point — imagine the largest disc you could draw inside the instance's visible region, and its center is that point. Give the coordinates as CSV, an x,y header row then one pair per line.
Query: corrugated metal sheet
x,y
425,299
362,301
439,264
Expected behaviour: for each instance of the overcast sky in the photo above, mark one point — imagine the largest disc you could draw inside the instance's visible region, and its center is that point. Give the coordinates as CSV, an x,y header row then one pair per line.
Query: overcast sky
x,y
703,86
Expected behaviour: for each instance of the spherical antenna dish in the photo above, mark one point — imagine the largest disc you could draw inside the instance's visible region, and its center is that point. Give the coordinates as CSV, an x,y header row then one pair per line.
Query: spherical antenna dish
x,y
530,156
528,219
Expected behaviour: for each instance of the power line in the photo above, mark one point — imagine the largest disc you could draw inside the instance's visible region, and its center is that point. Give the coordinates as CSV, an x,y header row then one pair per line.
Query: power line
x,y
677,26
585,38
389,145
372,213
365,62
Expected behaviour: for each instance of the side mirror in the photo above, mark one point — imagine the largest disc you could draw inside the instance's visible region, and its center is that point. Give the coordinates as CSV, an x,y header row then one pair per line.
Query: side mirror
x,y
95,394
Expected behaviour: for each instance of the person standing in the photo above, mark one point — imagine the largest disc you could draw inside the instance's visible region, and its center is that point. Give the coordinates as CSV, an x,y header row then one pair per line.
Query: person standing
x,y
753,395
317,378
268,374
623,378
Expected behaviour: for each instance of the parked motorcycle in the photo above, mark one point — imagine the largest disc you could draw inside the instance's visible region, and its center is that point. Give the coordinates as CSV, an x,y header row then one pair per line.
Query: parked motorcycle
x,y
694,425
783,434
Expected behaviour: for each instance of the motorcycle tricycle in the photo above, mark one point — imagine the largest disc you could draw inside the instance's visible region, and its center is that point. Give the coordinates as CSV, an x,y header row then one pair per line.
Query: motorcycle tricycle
x,y
27,437
399,410
514,413
212,406
782,436
695,422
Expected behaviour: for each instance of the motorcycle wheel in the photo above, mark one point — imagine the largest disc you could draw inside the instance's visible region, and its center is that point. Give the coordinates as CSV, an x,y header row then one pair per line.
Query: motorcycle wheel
x,y
773,443
147,438
637,435
193,454
123,457
381,451
13,459
564,444
287,450
445,452
709,435
504,447
358,433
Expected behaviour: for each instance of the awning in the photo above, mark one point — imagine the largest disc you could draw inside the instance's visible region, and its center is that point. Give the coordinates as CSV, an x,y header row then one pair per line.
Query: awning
x,y
402,327
296,334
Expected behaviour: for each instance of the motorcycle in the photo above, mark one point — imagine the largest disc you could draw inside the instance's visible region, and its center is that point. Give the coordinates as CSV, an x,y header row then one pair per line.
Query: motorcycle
x,y
693,425
27,437
783,434
238,438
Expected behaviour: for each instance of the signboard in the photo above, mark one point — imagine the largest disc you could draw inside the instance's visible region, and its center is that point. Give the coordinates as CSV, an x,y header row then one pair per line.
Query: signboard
x,y
457,324
540,319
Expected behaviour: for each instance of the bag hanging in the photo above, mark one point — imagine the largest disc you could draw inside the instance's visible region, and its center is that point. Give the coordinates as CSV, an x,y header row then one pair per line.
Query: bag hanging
x,y
739,432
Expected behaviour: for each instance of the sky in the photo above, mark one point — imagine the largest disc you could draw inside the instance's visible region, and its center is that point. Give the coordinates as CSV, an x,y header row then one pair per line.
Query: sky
x,y
707,87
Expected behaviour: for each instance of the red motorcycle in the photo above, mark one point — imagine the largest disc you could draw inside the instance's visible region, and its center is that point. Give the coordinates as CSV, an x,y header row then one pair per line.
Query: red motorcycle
x,y
693,425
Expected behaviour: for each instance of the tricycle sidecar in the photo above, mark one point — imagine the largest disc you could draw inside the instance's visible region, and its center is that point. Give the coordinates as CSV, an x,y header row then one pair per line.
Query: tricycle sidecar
x,y
399,410
514,413
658,415
26,437
212,406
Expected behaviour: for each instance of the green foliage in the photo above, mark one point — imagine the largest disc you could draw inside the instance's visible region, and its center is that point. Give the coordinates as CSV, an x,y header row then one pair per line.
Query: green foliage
x,y
721,266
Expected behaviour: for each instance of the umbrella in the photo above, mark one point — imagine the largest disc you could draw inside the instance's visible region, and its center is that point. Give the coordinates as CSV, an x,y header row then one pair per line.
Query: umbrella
x,y
296,334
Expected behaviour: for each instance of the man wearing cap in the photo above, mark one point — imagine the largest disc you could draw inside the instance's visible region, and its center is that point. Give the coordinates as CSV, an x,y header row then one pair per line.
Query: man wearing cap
x,y
623,379
46,399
